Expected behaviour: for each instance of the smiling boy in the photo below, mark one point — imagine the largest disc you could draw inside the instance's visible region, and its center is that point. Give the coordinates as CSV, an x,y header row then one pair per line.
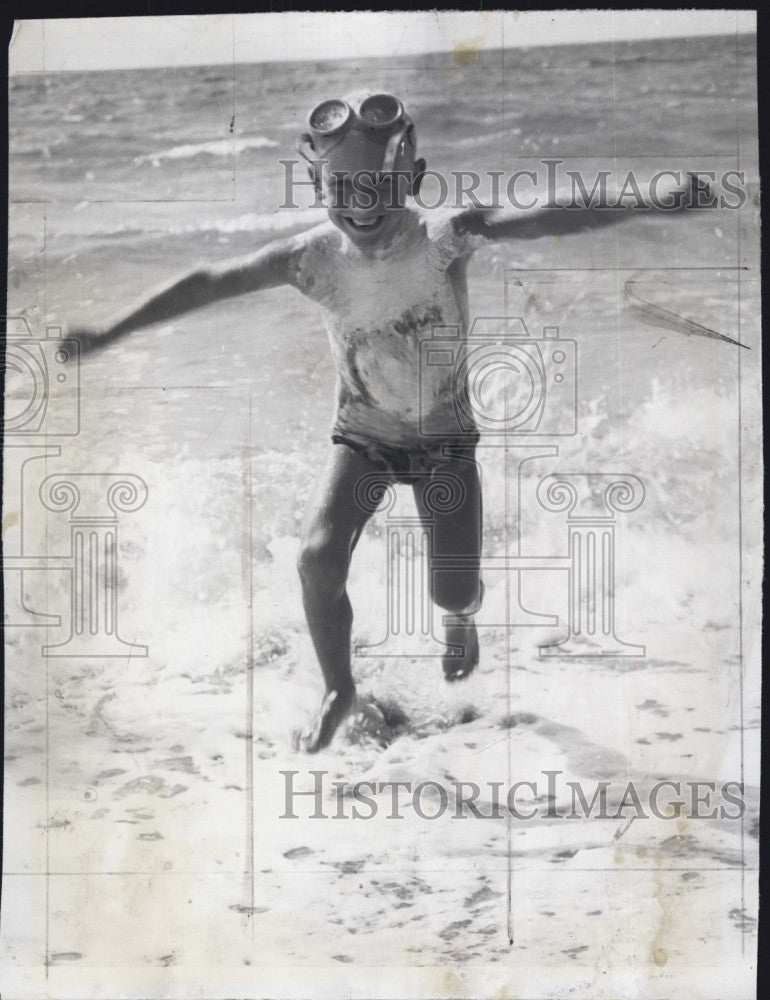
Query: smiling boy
x,y
384,275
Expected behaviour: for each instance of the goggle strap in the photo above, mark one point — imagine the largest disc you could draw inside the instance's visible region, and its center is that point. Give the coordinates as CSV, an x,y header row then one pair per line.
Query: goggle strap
x,y
391,150
306,151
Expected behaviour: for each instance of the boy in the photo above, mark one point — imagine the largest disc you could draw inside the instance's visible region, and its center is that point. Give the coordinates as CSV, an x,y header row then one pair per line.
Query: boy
x,y
384,275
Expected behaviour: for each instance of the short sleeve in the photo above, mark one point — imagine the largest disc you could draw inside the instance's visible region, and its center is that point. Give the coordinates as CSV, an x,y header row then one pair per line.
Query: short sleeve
x,y
452,240
314,263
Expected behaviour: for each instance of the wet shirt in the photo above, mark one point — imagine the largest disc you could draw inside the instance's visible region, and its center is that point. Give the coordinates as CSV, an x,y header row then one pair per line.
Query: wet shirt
x,y
396,324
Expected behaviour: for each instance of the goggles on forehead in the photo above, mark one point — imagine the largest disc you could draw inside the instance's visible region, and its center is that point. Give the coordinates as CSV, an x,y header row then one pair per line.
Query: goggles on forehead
x,y
382,111
377,136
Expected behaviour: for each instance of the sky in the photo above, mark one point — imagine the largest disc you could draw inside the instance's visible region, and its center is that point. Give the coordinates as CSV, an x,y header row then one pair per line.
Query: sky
x,y
122,43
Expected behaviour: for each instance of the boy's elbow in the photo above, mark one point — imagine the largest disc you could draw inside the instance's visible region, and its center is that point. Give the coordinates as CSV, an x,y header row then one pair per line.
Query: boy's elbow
x,y
221,281
206,283
206,277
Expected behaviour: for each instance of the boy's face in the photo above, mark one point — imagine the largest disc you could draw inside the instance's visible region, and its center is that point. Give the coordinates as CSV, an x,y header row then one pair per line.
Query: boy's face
x,y
368,207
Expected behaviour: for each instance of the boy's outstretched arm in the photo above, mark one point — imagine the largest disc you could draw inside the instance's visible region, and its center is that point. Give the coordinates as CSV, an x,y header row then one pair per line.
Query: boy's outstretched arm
x,y
273,265
557,220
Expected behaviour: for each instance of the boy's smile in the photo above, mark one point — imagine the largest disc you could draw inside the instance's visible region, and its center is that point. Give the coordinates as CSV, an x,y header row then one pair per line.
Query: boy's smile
x,y
367,230
364,225
368,210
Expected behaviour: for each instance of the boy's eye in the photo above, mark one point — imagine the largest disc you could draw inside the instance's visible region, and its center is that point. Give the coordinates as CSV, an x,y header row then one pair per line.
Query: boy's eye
x,y
388,186
339,193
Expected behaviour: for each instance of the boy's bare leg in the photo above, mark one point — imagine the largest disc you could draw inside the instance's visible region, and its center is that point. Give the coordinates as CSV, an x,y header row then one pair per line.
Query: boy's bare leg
x,y
450,505
333,525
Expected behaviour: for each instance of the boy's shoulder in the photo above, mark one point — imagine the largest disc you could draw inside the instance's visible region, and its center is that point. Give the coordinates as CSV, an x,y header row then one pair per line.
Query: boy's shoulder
x,y
323,235
440,223
446,230
313,253
439,231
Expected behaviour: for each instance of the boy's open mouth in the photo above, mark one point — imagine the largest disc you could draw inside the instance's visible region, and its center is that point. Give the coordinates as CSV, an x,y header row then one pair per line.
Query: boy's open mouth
x,y
365,225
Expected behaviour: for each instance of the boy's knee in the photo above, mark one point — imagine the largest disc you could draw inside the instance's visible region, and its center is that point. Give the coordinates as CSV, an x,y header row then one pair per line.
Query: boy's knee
x,y
322,563
459,595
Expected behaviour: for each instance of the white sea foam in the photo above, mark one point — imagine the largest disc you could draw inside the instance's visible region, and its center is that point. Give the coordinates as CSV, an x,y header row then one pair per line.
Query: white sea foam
x,y
276,222
81,222
217,147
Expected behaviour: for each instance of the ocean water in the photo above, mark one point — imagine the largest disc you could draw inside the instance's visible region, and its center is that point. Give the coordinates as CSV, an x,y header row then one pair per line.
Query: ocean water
x,y
130,177
206,134
121,180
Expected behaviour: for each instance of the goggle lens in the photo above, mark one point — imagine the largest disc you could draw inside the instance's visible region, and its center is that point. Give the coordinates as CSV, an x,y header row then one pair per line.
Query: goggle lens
x,y
380,110
330,116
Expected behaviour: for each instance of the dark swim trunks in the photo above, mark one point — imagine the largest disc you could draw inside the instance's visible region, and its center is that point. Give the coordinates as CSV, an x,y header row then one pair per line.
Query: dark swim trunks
x,y
408,464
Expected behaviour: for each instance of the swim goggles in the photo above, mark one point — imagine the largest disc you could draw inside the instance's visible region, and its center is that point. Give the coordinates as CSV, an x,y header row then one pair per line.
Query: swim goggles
x,y
377,136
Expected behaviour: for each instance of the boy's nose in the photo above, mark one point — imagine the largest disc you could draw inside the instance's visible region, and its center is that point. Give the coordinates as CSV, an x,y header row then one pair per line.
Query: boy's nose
x,y
362,210
362,206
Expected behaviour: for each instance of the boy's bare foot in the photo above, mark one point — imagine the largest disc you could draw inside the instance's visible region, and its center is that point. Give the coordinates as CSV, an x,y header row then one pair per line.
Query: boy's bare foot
x,y
458,663
334,708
